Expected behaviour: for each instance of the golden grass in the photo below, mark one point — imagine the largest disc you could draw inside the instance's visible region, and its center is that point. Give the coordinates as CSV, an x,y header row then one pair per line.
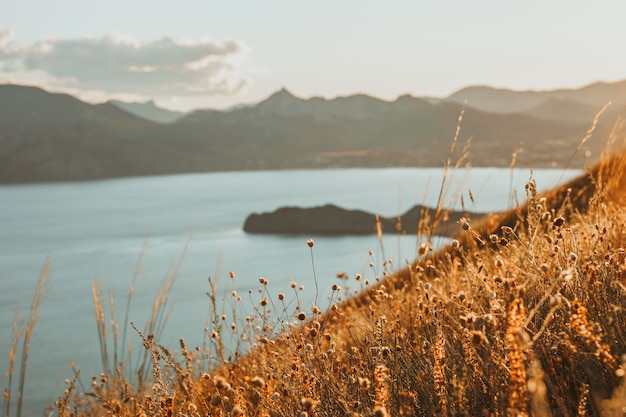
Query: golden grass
x,y
521,315
22,332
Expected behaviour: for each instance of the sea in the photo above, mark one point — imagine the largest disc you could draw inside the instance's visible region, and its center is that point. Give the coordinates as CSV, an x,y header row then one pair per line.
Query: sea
x,y
149,229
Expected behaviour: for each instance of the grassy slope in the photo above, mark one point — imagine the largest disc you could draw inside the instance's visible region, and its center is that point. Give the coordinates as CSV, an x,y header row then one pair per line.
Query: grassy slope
x,y
523,315
525,319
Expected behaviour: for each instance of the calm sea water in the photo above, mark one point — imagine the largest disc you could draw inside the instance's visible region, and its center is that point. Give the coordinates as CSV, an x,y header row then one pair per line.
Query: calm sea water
x,y
96,230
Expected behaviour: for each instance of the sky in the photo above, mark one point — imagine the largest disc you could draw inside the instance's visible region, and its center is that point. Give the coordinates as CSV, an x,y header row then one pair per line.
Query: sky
x,y
188,54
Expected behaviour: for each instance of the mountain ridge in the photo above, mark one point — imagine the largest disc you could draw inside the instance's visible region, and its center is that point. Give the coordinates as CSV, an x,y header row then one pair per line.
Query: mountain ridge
x,y
502,100
149,110
56,137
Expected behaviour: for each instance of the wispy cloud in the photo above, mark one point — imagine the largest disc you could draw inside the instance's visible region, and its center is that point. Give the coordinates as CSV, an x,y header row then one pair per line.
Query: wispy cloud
x,y
122,64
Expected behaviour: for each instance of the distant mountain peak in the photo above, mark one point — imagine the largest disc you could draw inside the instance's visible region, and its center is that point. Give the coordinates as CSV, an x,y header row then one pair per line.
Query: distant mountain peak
x,y
282,94
149,110
281,102
284,90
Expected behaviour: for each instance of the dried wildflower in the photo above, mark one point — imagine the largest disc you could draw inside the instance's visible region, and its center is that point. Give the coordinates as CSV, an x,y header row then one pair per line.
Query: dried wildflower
x,y
308,403
281,296
381,395
589,334
301,316
559,221
515,340
506,230
221,383
380,412
439,373
364,383
555,299
477,337
310,243
423,248
257,381
237,411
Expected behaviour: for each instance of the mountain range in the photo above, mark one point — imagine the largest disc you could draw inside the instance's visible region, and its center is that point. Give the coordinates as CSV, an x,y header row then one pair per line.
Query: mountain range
x,y
55,137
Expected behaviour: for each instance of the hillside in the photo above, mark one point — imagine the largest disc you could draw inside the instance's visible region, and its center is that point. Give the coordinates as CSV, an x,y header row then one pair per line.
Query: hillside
x,y
521,315
498,100
55,137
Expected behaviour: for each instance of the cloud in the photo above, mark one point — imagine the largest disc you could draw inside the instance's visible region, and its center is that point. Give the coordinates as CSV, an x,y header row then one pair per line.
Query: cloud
x,y
122,64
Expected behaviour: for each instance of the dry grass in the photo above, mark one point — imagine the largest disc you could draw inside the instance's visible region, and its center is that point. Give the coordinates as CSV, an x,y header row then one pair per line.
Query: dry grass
x,y
22,332
523,314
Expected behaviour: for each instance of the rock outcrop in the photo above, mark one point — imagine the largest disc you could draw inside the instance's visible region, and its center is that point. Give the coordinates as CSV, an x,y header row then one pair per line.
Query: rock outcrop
x,y
333,220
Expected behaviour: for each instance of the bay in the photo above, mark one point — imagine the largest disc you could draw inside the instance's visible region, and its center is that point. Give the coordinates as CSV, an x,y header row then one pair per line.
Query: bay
x,y
96,230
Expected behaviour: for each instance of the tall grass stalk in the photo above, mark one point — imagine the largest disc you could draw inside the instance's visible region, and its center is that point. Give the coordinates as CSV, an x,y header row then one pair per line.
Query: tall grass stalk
x,y
23,332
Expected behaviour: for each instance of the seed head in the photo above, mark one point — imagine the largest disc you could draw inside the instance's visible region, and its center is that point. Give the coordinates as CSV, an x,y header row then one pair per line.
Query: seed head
x,y
310,242
257,381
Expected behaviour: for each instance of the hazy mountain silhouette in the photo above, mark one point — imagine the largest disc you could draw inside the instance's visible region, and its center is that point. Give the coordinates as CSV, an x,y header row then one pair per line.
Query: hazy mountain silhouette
x,y
149,110
54,137
497,100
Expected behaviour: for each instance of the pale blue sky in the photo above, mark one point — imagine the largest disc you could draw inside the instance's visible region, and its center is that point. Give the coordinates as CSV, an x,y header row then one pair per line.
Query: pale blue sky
x,y
324,48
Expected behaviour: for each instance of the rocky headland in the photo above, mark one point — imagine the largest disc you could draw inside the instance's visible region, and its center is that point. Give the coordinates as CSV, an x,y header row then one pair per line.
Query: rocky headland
x,y
333,220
